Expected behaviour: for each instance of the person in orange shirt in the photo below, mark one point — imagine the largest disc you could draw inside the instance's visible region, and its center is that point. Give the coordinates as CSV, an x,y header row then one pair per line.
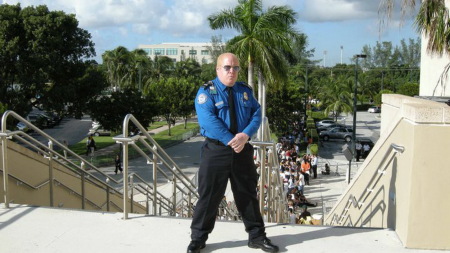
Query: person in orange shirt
x,y
305,167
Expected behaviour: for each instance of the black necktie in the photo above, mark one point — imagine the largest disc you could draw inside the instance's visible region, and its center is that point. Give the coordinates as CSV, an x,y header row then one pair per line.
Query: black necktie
x,y
233,121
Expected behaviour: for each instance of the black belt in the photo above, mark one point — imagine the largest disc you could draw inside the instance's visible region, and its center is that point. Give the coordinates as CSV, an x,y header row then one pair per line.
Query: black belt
x,y
217,142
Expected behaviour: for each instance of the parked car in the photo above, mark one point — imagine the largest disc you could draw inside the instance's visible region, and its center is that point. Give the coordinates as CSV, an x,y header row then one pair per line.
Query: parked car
x,y
325,122
38,120
99,130
326,128
374,109
343,133
22,127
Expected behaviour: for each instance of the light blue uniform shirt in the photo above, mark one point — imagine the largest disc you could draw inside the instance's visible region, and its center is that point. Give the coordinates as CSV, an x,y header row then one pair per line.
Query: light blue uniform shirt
x,y
211,104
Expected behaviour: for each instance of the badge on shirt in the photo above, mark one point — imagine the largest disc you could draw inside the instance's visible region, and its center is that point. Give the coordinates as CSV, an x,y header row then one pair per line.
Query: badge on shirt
x,y
245,96
202,98
212,89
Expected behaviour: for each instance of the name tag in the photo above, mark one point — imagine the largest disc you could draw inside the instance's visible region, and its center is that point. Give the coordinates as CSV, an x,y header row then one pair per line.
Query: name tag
x,y
219,103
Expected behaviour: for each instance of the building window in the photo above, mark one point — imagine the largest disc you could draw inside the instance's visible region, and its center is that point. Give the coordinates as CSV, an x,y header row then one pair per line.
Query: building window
x,y
148,51
171,51
159,51
192,52
205,52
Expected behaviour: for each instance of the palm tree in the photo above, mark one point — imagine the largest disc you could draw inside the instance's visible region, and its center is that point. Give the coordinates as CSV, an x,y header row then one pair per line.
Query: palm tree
x,y
263,36
139,65
432,20
338,96
116,66
188,67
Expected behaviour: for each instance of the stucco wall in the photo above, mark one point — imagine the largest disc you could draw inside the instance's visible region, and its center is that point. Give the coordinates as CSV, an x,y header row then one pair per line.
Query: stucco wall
x,y
411,194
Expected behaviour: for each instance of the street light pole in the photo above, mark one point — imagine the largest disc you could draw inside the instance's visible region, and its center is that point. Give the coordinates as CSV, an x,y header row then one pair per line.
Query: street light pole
x,y
354,102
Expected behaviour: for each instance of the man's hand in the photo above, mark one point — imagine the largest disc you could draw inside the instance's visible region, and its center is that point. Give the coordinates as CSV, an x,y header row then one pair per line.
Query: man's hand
x,y
238,142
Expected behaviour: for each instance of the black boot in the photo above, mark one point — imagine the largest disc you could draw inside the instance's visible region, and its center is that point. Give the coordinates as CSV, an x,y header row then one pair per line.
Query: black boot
x,y
195,246
265,244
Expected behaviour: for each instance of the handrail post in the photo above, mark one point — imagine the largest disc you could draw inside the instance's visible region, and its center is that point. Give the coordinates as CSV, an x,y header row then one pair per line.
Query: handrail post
x,y
262,179
125,178
174,194
155,180
5,168
147,207
83,194
189,204
131,193
107,195
50,171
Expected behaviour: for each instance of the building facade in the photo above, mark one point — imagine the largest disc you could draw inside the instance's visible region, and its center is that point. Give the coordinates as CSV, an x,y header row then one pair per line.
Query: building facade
x,y
180,51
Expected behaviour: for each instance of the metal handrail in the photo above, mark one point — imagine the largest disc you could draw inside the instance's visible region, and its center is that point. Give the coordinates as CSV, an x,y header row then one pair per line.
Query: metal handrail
x,y
271,197
47,151
159,155
352,201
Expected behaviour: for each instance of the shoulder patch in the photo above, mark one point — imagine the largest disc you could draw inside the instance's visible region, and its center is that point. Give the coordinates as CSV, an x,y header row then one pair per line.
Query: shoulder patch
x,y
202,98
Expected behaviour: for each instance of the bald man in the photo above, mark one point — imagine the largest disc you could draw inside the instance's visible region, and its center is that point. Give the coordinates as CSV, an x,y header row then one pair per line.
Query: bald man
x,y
228,115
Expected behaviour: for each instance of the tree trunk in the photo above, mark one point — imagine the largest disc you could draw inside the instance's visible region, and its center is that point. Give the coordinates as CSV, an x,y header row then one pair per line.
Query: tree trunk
x,y
250,73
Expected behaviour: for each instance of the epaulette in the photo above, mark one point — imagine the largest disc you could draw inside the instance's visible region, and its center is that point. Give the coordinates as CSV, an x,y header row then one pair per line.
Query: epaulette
x,y
245,84
210,85
207,84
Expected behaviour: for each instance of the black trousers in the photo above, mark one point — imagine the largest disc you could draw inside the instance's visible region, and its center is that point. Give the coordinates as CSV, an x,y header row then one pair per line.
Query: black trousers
x,y
218,164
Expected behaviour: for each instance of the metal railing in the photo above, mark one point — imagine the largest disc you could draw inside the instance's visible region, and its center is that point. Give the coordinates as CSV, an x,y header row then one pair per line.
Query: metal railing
x,y
273,204
364,198
183,191
68,159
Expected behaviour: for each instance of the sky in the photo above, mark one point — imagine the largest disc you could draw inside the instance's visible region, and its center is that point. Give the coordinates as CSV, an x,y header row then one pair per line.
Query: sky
x,y
328,24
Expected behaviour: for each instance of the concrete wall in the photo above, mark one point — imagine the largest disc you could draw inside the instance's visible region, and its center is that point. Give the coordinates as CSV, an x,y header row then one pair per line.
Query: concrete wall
x,y
33,186
431,68
410,195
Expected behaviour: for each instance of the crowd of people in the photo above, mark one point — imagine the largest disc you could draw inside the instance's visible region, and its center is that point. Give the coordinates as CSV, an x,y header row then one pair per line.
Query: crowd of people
x,y
296,172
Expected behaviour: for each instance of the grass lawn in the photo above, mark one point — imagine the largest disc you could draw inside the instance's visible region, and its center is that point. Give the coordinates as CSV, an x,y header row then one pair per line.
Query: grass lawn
x,y
100,142
157,124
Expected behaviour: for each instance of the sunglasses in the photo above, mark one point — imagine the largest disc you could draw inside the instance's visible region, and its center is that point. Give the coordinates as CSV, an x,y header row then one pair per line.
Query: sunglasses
x,y
227,68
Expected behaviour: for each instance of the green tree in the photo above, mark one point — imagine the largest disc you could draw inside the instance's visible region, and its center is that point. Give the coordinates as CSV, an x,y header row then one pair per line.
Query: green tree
x,y
41,52
117,66
377,97
187,90
111,110
163,67
409,89
283,107
171,98
263,38
188,68
81,90
338,96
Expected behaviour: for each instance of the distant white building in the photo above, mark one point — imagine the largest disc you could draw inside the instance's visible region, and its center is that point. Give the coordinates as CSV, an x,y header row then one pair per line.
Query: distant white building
x,y
180,51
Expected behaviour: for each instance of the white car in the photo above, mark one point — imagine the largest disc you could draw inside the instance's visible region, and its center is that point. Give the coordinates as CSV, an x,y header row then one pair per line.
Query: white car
x,y
374,109
325,123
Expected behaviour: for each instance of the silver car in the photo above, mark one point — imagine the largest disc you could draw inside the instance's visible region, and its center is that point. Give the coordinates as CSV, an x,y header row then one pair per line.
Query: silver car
x,y
343,133
99,130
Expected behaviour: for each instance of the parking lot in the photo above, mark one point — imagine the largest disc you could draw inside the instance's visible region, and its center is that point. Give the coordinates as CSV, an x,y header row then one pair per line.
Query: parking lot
x,y
367,126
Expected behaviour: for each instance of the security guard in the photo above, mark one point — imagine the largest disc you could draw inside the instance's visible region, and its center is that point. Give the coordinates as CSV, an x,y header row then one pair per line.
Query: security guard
x,y
228,115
